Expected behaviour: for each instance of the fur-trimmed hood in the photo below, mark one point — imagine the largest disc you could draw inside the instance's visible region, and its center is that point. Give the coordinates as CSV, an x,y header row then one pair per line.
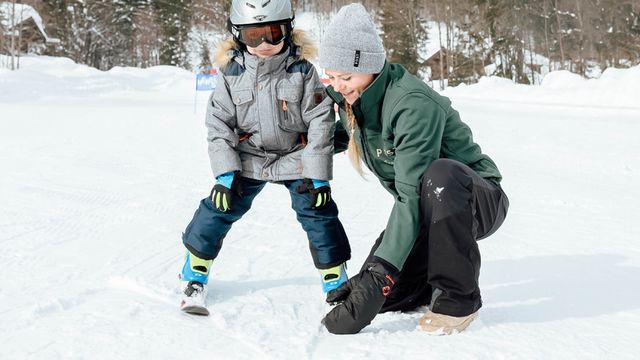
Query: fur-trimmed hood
x,y
305,48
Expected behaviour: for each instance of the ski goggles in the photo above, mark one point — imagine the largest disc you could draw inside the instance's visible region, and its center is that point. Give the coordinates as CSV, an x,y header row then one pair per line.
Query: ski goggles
x,y
253,36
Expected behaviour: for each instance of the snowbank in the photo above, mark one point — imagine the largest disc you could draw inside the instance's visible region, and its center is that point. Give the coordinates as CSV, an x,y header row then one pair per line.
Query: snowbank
x,y
51,79
615,88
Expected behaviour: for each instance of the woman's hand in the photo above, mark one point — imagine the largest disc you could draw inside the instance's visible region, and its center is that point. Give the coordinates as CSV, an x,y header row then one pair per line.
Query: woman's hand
x,y
360,299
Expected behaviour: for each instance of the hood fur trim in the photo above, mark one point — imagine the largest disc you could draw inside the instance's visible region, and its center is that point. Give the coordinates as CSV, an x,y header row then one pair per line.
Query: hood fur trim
x,y
307,48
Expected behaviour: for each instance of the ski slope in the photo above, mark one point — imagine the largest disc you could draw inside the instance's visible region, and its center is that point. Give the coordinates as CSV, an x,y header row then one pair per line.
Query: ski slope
x,y
101,171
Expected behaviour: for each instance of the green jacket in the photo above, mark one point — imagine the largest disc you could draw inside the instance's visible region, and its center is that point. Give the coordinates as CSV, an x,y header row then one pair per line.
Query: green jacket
x,y
404,125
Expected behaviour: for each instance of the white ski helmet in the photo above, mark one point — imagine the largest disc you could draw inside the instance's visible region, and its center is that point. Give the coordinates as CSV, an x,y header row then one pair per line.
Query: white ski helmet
x,y
252,12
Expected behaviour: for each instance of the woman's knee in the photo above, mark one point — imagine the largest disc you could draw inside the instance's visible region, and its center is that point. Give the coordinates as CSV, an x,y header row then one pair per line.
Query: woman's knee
x,y
445,173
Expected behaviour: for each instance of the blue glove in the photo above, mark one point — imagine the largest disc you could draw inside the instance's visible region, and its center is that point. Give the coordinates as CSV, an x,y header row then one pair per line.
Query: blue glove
x,y
320,191
221,193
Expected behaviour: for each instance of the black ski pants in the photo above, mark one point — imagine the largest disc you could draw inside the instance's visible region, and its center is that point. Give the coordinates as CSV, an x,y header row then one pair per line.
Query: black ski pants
x,y
458,207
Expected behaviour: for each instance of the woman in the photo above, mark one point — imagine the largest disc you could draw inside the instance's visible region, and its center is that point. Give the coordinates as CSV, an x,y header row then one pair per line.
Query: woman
x,y
447,193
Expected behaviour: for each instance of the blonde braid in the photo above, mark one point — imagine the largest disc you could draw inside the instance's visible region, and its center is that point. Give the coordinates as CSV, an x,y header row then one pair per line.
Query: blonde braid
x,y
352,149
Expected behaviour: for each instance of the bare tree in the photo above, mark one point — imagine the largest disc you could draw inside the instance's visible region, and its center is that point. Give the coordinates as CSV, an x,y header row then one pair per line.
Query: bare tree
x,y
559,33
3,31
19,30
12,34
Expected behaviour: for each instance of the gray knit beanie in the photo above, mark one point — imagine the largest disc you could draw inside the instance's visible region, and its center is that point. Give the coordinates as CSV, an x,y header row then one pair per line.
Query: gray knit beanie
x,y
351,43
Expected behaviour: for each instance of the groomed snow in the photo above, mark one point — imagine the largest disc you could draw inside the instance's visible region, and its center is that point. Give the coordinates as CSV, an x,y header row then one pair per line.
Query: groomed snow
x,y
101,171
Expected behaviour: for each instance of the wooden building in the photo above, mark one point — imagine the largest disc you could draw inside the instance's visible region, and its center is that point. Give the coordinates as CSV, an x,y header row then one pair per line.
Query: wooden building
x,y
455,67
24,25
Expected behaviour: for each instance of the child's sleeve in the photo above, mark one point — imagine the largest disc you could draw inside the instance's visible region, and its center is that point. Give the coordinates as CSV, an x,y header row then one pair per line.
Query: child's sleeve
x,y
340,138
317,113
221,122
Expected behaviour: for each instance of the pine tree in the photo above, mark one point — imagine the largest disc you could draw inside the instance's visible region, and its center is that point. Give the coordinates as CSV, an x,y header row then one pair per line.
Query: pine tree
x,y
123,21
470,42
211,14
401,31
174,19
145,37
209,17
2,36
618,41
66,20
57,18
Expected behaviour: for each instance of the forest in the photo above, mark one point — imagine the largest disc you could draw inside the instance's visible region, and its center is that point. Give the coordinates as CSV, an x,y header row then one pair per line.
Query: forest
x,y
515,39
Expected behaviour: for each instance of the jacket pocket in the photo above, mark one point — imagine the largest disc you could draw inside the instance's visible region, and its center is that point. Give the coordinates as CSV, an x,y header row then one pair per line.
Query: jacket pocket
x,y
243,101
289,109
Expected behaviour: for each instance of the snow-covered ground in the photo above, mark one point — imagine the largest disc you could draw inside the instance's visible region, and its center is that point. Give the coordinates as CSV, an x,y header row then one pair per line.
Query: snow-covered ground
x,y
101,171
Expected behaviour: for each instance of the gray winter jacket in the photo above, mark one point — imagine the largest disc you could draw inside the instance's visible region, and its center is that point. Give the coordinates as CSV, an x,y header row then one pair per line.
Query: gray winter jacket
x,y
270,118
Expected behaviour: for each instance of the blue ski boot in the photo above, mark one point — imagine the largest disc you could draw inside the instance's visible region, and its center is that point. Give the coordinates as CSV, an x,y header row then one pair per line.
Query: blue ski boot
x,y
334,277
194,276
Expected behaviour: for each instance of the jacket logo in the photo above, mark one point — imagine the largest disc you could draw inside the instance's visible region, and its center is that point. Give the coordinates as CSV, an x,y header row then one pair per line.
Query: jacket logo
x,y
356,59
388,155
386,152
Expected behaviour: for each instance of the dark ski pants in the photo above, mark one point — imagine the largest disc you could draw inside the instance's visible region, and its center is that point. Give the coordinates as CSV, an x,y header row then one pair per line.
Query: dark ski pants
x,y
327,239
458,207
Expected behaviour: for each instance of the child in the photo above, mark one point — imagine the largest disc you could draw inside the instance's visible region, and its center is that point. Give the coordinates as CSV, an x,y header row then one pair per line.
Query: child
x,y
268,121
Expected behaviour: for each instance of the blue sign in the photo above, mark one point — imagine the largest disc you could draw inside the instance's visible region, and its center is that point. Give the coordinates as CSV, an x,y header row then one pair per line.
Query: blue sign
x,y
206,82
